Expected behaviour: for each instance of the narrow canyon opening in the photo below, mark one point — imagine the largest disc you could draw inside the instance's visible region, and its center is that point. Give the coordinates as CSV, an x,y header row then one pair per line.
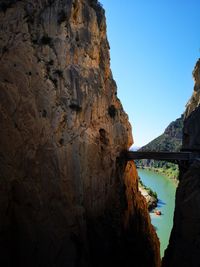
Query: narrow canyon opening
x,y
68,195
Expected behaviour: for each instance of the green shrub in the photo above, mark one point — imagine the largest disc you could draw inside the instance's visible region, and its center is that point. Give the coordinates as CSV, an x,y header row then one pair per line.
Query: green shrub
x,y
148,189
152,193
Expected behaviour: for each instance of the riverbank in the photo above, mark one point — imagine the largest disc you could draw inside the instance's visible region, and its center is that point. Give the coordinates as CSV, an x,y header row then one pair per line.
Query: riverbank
x,y
172,174
150,196
165,189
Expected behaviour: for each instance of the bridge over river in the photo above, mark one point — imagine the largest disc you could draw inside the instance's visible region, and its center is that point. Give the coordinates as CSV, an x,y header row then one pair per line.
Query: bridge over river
x,y
174,157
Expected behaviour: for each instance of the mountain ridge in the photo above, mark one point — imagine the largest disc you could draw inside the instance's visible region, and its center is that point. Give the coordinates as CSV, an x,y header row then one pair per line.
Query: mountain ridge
x,y
170,140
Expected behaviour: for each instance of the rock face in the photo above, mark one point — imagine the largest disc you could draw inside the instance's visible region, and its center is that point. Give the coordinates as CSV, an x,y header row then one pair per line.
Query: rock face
x,y
67,197
151,200
170,140
191,129
184,245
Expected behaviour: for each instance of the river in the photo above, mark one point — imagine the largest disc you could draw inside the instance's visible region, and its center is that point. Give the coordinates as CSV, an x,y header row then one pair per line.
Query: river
x,y
165,189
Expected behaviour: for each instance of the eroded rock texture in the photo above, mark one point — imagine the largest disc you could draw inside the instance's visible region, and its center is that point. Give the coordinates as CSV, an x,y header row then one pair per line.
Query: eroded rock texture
x,y
67,198
184,246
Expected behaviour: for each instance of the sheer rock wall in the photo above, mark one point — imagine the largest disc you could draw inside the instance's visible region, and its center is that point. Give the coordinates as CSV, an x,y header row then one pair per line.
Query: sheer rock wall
x,y
184,245
67,197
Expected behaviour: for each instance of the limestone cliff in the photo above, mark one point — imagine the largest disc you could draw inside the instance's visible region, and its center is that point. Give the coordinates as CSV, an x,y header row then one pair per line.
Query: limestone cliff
x,y
67,197
184,245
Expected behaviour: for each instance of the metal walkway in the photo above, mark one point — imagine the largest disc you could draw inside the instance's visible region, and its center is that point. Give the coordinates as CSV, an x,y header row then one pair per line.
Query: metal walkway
x,y
174,157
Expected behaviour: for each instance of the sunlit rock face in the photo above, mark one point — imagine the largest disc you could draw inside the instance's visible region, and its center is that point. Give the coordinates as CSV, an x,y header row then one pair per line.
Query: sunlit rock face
x,y
67,196
191,130
184,245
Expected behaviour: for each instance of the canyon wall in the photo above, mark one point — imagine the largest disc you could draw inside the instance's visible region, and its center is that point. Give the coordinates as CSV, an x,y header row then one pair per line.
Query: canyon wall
x,y
67,196
184,245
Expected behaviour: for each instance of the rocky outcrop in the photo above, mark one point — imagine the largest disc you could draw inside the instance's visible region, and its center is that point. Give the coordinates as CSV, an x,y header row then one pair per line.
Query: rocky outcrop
x,y
194,101
67,197
184,245
151,200
191,129
149,195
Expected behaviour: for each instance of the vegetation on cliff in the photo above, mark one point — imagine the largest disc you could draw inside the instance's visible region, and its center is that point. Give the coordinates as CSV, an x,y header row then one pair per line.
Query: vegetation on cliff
x,y
150,195
170,140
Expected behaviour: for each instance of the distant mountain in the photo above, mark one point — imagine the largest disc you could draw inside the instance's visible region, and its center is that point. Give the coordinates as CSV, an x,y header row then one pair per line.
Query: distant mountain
x,y
134,148
170,140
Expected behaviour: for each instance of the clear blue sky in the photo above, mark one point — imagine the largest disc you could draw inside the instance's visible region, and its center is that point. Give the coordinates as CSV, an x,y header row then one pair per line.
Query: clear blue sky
x,y
154,47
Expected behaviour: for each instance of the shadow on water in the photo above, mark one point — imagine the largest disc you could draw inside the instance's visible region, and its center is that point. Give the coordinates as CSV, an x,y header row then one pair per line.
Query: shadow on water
x,y
160,203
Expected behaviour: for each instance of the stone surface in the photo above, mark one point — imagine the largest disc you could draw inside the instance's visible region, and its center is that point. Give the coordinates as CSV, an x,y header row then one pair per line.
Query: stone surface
x,y
184,245
191,129
67,197
151,200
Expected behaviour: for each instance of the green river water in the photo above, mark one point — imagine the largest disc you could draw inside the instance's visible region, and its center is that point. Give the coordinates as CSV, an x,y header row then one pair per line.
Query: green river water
x,y
165,189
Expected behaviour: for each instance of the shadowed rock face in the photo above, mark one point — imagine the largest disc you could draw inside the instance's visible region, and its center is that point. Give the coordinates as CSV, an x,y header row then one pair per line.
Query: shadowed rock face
x,y
67,198
184,245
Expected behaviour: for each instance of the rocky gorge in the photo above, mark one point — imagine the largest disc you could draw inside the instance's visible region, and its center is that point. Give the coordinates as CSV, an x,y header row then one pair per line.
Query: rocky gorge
x,y
67,196
184,244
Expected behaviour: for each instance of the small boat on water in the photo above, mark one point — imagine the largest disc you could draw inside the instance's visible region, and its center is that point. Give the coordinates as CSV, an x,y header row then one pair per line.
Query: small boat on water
x,y
158,212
